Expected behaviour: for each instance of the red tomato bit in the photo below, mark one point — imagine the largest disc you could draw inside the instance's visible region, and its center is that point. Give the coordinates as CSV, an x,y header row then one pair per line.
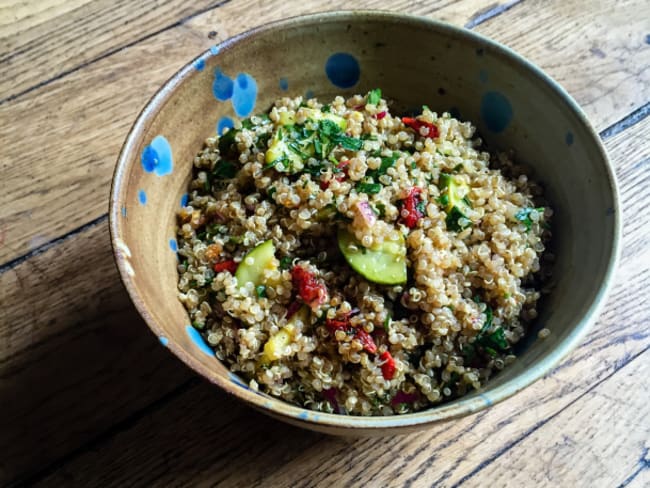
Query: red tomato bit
x,y
380,115
312,291
416,125
361,335
410,205
388,367
229,265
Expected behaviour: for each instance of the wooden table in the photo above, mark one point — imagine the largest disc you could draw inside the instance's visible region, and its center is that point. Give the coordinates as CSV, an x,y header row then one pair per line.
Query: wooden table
x,y
87,395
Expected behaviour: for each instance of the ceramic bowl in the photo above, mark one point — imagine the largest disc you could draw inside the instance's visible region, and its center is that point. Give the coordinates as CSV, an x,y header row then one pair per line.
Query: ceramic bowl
x,y
415,61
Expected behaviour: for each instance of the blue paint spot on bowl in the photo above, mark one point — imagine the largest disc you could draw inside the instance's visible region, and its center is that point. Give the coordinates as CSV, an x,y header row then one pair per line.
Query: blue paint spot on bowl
x,y
199,64
237,380
157,157
303,415
610,211
123,210
284,84
487,401
480,52
496,111
222,86
244,95
343,70
163,340
184,199
215,50
142,197
173,245
309,94
196,337
224,123
483,76
569,138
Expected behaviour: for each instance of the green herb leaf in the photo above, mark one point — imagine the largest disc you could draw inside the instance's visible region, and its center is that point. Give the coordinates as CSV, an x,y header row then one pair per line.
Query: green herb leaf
x,y
382,210
261,291
226,143
224,170
453,217
374,96
387,323
285,262
368,188
326,109
271,191
443,199
328,128
349,143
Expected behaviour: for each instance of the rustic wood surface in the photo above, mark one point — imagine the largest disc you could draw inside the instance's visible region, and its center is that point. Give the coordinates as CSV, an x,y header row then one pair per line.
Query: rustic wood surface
x,y
87,395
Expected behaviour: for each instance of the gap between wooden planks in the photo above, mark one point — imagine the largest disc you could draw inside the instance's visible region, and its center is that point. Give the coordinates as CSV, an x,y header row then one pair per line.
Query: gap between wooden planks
x,y
81,120
88,320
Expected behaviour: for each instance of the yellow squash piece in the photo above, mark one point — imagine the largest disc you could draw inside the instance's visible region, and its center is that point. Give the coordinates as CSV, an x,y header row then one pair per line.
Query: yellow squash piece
x,y
277,344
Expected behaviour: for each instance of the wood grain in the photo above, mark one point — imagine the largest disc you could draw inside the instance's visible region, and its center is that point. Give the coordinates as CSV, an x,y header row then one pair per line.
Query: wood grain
x,y
596,51
72,362
83,119
576,455
69,319
53,37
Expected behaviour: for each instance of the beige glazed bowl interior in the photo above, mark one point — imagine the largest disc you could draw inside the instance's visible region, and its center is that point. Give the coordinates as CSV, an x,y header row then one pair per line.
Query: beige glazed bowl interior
x,y
513,104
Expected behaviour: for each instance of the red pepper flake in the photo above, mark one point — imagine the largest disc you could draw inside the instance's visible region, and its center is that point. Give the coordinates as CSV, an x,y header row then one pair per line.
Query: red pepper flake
x,y
229,265
312,291
360,108
416,125
388,367
410,205
380,115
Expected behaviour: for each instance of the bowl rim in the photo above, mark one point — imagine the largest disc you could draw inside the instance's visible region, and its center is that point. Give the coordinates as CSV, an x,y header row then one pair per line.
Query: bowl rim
x,y
307,418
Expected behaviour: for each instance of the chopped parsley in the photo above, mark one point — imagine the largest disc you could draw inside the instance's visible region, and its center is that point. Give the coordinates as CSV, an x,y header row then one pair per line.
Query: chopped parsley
x,y
368,188
224,170
285,262
260,291
374,96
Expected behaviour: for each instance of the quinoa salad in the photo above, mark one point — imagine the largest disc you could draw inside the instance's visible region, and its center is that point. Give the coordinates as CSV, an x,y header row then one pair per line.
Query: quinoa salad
x,y
353,261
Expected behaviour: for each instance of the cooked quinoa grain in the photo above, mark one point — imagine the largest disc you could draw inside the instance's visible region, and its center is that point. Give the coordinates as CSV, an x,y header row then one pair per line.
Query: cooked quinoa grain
x,y
348,260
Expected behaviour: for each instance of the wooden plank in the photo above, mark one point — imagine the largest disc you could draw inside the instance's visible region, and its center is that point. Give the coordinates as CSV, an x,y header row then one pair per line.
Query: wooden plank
x,y
17,16
75,357
40,40
446,454
586,447
596,50
104,98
